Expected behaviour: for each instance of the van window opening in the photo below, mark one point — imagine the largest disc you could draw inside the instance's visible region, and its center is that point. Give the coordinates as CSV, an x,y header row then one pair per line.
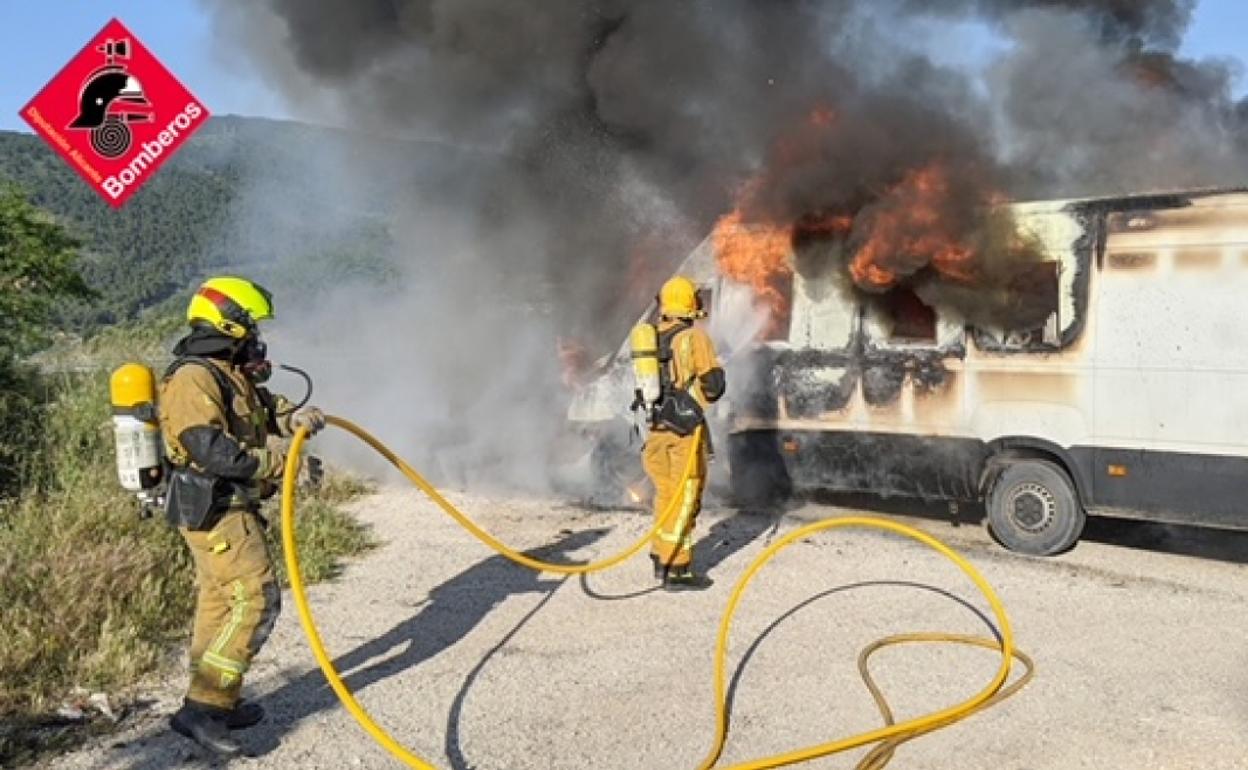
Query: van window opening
x,y
1035,289
911,320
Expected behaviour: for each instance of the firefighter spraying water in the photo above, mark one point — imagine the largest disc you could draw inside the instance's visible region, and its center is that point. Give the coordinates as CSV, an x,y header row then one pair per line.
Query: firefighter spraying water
x,y
678,376
199,444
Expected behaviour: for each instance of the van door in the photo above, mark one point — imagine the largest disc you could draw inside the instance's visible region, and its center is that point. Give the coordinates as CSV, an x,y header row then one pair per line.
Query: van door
x,y
1171,411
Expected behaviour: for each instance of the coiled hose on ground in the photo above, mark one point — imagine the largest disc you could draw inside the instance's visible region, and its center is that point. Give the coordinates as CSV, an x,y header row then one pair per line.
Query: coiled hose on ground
x,y
886,738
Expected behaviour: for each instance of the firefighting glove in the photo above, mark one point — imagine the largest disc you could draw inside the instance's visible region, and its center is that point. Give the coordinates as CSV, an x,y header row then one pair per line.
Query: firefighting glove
x,y
309,417
272,464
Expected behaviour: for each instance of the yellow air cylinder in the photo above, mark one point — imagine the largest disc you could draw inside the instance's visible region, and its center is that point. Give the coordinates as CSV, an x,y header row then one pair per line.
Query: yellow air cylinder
x,y
132,391
644,342
132,385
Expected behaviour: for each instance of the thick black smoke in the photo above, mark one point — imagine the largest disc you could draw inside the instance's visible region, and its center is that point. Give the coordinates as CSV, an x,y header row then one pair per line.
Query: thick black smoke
x,y
1086,117
622,129
609,135
606,137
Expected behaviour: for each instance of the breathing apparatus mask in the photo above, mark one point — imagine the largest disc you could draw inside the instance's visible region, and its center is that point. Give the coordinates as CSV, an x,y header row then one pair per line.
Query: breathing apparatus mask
x,y
253,359
700,297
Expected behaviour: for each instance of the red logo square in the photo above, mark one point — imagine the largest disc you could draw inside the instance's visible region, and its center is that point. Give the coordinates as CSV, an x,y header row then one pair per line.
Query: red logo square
x,y
114,113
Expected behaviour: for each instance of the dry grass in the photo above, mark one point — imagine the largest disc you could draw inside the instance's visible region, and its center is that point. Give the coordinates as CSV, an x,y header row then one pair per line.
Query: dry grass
x,y
325,532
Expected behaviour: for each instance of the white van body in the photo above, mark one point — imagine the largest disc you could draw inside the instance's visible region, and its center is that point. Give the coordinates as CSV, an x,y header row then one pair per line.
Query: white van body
x,y
1130,400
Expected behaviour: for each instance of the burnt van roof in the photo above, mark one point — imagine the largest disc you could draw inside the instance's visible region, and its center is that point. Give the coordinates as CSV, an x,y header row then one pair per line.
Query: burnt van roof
x,y
1162,199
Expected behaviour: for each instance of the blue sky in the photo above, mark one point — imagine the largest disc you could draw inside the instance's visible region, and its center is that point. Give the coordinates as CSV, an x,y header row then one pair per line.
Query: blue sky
x,y
39,36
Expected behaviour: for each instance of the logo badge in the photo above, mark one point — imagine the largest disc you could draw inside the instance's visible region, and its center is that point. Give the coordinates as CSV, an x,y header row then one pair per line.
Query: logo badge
x,y
115,114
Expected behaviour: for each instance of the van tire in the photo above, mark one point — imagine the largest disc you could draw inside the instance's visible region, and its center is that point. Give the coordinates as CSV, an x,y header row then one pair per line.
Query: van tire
x,y
1033,508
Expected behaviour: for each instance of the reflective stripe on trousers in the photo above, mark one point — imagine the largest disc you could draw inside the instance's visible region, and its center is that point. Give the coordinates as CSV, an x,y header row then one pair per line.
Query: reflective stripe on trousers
x,y
237,605
665,458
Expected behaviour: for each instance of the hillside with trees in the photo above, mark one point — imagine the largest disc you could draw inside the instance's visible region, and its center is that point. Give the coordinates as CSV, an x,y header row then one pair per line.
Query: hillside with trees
x,y
236,195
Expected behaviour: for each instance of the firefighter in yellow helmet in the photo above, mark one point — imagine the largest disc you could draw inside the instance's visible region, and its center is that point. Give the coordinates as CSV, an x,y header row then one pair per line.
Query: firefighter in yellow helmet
x,y
691,379
216,421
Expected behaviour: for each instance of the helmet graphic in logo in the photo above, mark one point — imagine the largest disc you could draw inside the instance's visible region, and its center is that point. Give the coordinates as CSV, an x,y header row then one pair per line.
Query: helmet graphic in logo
x,y
111,99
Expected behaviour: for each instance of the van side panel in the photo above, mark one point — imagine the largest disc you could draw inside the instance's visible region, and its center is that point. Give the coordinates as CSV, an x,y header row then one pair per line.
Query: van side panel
x,y
927,467
1171,425
1175,487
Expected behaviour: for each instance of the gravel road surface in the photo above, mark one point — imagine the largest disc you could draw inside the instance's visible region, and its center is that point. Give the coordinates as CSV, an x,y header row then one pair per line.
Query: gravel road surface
x,y
1139,635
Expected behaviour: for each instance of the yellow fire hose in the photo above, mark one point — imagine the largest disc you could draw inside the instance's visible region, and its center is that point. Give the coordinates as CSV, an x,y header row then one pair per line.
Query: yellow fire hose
x,y
887,738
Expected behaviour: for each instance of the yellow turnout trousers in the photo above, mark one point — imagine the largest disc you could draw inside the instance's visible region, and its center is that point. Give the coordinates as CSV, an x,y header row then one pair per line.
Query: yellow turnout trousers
x,y
665,458
237,605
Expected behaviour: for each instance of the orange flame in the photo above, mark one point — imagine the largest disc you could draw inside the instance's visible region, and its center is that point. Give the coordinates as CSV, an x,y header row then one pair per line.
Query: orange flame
x,y
756,255
912,229
757,252
918,222
822,116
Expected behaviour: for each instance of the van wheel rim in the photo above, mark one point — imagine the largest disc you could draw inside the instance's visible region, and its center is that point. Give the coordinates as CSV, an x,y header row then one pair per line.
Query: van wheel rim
x,y
1032,507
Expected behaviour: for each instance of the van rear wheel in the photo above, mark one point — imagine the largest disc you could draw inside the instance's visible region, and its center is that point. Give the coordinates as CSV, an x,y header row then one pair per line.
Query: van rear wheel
x,y
1033,508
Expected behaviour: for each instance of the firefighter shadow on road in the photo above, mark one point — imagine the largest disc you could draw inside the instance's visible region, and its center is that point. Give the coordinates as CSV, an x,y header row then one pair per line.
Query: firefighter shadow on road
x,y
724,538
454,752
732,533
451,611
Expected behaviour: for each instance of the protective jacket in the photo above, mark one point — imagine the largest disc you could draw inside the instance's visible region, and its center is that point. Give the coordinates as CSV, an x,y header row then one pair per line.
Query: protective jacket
x,y
689,364
216,426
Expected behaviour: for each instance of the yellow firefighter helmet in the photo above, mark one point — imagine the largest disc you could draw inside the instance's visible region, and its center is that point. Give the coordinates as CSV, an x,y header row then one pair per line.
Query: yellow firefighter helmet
x,y
679,298
232,306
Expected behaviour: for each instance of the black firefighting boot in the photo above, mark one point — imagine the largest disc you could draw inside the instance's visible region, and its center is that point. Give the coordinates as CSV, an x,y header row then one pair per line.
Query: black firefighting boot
x,y
206,726
244,715
685,579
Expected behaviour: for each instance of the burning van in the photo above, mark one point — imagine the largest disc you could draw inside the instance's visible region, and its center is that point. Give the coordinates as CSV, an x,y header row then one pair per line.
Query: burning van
x,y
1119,388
